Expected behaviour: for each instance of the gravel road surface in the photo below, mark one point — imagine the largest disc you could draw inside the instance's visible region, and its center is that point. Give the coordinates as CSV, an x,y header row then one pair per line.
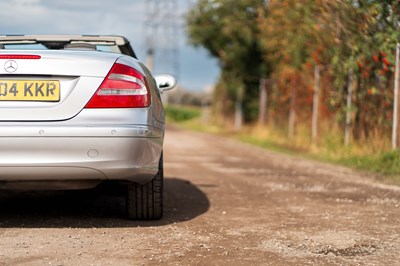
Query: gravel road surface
x,y
226,203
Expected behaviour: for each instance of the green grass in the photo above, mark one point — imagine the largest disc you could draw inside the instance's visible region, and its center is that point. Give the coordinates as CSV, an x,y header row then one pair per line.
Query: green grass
x,y
371,157
387,163
189,117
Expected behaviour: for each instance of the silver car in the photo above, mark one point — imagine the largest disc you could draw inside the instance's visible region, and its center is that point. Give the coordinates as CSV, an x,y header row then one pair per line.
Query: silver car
x,y
77,110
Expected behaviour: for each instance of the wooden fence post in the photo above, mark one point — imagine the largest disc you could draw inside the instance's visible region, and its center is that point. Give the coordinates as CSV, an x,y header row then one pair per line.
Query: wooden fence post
x,y
348,109
263,102
314,126
396,100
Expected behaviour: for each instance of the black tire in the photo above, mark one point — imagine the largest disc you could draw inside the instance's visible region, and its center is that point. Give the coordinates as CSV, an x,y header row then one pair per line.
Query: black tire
x,y
145,202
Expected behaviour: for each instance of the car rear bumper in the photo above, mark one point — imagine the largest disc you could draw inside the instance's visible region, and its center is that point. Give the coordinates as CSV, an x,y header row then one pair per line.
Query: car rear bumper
x,y
125,152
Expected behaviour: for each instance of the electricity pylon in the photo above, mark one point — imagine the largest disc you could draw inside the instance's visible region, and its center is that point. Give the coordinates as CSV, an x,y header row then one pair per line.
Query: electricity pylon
x,y
162,42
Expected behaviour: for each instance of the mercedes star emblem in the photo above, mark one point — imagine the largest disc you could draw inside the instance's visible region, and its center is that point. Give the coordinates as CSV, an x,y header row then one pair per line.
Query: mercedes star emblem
x,y
11,66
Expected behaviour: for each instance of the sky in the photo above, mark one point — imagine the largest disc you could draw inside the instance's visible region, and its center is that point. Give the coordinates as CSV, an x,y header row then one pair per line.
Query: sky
x,y
196,70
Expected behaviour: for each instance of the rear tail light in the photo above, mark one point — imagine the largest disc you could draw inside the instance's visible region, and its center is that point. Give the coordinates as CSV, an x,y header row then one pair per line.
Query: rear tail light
x,y
124,87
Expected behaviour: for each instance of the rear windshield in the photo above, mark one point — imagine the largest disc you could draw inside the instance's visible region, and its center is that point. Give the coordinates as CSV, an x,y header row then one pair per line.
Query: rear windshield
x,y
35,46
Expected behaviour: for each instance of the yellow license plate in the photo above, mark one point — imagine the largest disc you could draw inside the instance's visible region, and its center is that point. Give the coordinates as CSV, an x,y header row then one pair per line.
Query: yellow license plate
x,y
30,90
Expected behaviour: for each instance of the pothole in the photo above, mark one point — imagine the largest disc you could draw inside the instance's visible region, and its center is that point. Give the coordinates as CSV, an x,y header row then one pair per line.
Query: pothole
x,y
344,244
353,251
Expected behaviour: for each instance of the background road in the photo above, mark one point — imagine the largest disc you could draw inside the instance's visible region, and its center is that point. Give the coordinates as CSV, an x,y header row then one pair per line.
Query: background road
x,y
227,203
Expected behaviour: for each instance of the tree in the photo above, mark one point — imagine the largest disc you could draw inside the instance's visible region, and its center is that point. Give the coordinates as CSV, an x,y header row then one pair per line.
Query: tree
x,y
365,42
344,35
228,29
293,35
285,40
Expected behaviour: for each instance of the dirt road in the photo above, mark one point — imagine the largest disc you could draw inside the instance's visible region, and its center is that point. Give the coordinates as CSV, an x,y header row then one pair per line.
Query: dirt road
x,y
226,204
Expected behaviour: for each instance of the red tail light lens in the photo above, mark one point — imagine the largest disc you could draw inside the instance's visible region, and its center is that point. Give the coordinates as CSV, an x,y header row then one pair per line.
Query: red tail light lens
x,y
124,87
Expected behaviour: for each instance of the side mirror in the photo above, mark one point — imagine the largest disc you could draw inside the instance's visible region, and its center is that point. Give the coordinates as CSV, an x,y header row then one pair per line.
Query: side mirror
x,y
165,82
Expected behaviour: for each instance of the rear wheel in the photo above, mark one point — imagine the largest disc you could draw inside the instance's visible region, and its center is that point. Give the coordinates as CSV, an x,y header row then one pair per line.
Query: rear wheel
x,y
145,202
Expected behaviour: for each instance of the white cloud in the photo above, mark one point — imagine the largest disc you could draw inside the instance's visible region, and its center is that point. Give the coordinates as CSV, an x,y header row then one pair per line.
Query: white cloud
x,y
72,16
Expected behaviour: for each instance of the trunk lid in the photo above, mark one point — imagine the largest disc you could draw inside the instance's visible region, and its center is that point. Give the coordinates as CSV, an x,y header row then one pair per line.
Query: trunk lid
x,y
55,87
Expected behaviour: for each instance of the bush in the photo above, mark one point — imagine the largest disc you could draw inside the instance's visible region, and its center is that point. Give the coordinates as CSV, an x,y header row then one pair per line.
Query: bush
x,y
181,113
